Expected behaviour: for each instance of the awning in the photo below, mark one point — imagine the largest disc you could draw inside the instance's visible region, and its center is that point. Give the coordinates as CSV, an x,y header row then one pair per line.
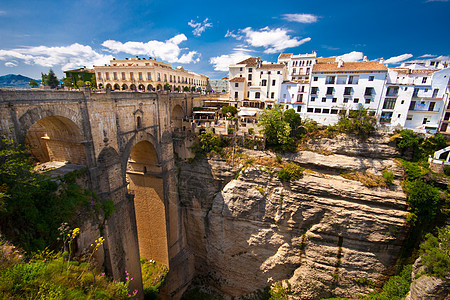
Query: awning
x,y
204,112
247,113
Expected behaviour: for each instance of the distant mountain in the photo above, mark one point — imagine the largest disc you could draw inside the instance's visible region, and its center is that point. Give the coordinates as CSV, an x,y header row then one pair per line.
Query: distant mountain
x,y
15,81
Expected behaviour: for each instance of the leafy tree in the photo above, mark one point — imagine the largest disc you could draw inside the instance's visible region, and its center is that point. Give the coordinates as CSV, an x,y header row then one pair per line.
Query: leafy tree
x,y
208,143
167,87
33,83
359,122
80,83
294,121
276,129
51,79
186,89
193,89
435,253
423,199
228,110
68,81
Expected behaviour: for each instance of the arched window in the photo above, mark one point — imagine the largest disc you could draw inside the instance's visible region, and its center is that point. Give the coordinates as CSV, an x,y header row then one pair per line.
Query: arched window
x,y
138,122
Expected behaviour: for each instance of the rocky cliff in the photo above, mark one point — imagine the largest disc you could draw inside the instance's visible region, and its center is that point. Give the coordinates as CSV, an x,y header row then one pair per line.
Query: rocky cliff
x,y
321,235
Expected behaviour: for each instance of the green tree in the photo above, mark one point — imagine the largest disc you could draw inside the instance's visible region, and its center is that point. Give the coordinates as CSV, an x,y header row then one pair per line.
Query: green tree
x,y
435,253
276,129
80,83
294,121
228,110
51,79
193,88
167,87
33,83
359,122
423,199
68,82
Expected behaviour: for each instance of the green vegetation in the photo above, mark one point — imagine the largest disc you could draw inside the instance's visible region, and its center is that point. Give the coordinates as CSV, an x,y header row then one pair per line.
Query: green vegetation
x,y
420,147
388,177
228,110
435,253
153,275
366,178
423,199
291,171
360,122
50,79
278,292
33,83
396,287
167,87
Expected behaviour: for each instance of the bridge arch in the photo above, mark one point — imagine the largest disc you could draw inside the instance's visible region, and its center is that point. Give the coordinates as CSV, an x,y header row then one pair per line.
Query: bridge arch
x,y
176,117
145,181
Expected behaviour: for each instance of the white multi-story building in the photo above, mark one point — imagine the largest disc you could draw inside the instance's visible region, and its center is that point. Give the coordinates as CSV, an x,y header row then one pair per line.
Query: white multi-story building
x,y
147,74
337,87
415,96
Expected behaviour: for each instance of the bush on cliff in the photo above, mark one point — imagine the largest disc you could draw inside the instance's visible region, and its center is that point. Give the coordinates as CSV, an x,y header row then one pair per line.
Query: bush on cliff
x,y
435,253
291,171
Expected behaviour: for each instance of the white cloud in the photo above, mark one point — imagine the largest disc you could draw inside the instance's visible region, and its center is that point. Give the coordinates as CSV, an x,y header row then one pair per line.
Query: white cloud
x,y
11,64
199,28
300,18
222,62
167,51
351,57
427,55
442,57
397,59
273,40
436,1
231,34
67,57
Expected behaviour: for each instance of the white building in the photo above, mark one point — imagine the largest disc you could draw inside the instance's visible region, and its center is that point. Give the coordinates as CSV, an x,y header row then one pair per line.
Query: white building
x,y
147,74
219,85
337,87
414,97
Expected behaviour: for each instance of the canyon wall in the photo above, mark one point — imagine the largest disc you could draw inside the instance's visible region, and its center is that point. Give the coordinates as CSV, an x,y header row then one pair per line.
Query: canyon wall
x,y
321,235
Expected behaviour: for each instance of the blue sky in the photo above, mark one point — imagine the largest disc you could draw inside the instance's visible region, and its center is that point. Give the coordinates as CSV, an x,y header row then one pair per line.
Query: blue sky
x,y
206,36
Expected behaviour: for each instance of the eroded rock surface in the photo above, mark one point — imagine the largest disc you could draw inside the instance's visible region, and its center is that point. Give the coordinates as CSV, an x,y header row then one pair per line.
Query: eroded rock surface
x,y
323,235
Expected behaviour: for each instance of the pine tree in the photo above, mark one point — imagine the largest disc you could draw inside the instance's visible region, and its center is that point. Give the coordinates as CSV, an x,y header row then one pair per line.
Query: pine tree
x,y
51,80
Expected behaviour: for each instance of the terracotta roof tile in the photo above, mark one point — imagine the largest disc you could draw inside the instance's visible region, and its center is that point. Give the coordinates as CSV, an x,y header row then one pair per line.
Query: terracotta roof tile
x,y
272,66
325,60
285,55
250,62
238,79
350,66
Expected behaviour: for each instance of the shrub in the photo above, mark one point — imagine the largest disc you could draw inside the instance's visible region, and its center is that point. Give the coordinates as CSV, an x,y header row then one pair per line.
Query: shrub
x,y
291,171
396,287
422,198
388,177
230,130
359,122
447,170
251,130
153,275
435,253
412,170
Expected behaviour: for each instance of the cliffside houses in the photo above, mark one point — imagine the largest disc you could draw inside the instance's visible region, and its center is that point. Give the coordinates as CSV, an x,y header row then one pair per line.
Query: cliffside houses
x,y
414,95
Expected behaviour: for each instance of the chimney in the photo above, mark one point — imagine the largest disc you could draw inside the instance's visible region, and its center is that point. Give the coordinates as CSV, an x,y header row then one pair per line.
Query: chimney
x,y
365,58
340,63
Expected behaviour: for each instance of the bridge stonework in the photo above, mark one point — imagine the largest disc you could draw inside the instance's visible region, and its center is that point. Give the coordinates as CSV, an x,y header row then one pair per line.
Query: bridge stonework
x,y
100,130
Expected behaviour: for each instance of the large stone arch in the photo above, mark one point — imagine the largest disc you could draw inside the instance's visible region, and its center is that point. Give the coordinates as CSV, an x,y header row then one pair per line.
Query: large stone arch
x,y
145,181
176,117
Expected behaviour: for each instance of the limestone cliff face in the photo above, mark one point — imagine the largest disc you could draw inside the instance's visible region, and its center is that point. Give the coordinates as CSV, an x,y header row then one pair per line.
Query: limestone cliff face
x,y
322,235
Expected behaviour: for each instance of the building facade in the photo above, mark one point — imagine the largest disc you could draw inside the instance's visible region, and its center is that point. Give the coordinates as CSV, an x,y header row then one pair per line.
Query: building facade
x,y
219,85
147,74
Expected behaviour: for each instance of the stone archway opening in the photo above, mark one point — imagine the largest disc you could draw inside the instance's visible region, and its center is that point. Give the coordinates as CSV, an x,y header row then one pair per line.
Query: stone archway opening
x,y
144,175
108,86
117,86
150,87
56,139
124,87
176,118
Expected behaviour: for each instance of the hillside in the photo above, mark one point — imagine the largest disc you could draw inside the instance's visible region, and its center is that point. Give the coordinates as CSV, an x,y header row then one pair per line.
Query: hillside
x,y
15,81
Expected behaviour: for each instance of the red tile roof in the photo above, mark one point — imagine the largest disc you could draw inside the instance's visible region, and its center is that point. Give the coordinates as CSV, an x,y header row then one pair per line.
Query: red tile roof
x,y
350,66
250,62
272,66
285,55
325,60
238,79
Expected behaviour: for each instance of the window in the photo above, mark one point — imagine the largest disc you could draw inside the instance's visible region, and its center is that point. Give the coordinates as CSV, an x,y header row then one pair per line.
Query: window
x,y
131,75
236,84
123,75
313,99
310,109
294,71
389,103
329,90
250,70
341,80
99,75
367,100
334,100
272,95
326,111
299,97
140,75
303,88
273,82
315,78
409,117
107,75
412,105
369,91
284,96
416,92
257,95
249,84
317,110
353,79
249,76
399,115
345,100
314,90
165,77
392,91
115,75
240,69
299,108
264,82
425,120
371,78
334,111
403,102
386,117
424,80
324,99
330,80
356,100
431,107
236,94
348,91
435,92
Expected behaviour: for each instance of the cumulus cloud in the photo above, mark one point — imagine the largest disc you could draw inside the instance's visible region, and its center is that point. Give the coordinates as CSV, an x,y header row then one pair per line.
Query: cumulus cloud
x,y
300,18
351,57
233,35
68,57
273,40
427,55
11,64
397,59
222,62
169,50
199,27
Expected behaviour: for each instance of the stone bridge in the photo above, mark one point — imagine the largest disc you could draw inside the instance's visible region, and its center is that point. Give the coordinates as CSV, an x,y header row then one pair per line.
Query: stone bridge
x,y
124,139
